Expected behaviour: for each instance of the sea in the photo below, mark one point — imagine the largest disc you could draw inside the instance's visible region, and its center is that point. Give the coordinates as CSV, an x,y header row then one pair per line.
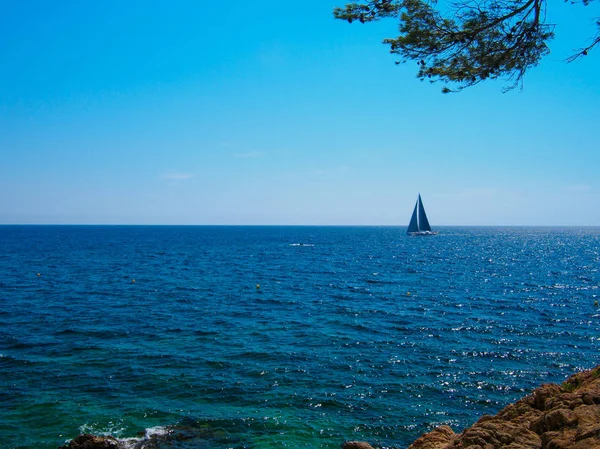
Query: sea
x,y
215,337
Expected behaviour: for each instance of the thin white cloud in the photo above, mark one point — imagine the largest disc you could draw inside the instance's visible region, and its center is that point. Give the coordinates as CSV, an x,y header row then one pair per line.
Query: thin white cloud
x,y
176,176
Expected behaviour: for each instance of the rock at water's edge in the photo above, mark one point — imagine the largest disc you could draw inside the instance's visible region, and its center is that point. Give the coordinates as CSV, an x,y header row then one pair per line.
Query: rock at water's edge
x,y
87,441
439,437
554,416
356,445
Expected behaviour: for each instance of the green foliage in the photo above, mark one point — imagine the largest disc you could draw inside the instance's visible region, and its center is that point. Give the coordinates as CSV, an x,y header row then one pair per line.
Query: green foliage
x,y
573,383
470,41
570,385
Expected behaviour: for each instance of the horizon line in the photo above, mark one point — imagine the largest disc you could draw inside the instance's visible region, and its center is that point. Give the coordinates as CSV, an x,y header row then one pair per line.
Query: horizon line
x,y
309,225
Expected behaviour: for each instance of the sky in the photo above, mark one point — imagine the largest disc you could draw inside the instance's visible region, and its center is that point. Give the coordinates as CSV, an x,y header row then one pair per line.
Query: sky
x,y
274,113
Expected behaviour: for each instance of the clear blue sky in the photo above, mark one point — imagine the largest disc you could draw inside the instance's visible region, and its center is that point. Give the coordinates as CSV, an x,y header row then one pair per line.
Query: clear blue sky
x,y
271,112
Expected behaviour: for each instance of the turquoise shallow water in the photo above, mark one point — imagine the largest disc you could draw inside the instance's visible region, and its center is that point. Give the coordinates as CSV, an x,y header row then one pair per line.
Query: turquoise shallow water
x,y
332,346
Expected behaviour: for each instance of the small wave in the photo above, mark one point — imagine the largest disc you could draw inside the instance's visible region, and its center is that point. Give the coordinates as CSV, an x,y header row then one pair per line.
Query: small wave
x,y
104,334
380,282
29,345
185,289
269,301
219,364
67,332
151,436
253,356
301,244
203,333
111,429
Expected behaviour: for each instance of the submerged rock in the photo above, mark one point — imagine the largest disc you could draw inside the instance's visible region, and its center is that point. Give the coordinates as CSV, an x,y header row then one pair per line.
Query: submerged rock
x,y
356,445
87,441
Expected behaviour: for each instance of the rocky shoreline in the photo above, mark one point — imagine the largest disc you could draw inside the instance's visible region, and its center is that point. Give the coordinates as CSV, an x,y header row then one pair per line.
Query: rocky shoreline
x,y
565,416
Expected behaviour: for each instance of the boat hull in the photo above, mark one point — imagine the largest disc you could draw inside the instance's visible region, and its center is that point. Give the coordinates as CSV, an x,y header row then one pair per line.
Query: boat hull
x,y
421,233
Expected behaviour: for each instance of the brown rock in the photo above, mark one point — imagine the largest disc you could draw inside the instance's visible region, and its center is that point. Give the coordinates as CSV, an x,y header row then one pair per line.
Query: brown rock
x,y
87,441
542,394
356,445
589,399
439,438
563,416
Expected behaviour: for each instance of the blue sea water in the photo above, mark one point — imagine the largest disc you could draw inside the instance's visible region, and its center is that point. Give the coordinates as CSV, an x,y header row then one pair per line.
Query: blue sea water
x,y
269,337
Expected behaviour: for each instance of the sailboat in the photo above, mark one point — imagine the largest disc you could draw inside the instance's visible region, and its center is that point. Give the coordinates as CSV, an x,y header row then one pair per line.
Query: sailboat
x,y
419,225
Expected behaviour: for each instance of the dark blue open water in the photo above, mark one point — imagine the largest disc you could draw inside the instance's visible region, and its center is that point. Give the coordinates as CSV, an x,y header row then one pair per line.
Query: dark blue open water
x,y
332,346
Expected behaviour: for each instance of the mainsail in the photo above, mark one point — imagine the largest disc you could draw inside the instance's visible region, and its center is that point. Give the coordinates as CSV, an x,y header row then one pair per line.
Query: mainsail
x,y
419,224
423,222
